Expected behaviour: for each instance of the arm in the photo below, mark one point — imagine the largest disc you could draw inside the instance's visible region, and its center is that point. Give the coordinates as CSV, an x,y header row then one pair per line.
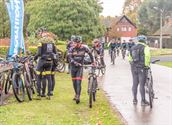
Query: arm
x,y
147,56
90,54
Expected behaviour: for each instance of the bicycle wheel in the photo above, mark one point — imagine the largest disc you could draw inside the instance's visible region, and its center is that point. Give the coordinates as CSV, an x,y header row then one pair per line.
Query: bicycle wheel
x,y
90,91
8,83
33,80
18,86
2,81
150,96
94,88
61,66
28,85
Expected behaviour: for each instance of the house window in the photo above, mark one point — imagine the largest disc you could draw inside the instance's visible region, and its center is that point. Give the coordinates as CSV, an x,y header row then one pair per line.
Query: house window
x,y
124,29
118,29
129,28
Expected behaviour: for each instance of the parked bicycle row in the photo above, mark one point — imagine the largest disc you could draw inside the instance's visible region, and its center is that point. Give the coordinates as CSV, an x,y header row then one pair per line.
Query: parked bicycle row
x,y
18,76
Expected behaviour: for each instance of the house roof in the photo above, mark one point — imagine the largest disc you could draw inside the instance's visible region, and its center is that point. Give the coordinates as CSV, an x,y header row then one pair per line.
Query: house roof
x,y
127,20
166,30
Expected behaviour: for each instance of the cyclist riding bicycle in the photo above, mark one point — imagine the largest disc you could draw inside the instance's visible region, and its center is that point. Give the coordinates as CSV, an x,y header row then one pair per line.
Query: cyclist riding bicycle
x,y
118,47
123,48
112,46
139,58
98,51
76,57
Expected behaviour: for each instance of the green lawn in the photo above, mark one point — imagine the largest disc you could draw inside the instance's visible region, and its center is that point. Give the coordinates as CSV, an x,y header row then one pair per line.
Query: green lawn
x,y
61,109
168,64
159,52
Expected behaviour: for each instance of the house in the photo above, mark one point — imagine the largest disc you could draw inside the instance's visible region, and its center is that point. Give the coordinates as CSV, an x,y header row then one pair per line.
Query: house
x,y
123,28
166,35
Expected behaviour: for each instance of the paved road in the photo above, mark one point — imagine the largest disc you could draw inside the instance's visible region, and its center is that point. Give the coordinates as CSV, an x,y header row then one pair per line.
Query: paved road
x,y
167,58
117,84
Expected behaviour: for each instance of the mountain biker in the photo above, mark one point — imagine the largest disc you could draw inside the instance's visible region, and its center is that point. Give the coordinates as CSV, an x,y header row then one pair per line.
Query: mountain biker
x,y
123,48
46,54
130,44
118,47
76,56
112,46
98,51
139,57
68,47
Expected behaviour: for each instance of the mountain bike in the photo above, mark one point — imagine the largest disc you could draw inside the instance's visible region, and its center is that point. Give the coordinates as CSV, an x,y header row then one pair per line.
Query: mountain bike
x,y
92,84
123,51
149,84
113,56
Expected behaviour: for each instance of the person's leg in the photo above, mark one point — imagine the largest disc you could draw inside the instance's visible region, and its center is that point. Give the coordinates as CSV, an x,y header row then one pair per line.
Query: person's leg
x,y
48,76
48,72
44,83
73,75
53,79
135,83
39,71
78,82
142,80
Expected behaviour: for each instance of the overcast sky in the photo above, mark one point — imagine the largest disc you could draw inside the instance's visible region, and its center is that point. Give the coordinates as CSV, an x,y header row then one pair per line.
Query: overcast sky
x,y
112,7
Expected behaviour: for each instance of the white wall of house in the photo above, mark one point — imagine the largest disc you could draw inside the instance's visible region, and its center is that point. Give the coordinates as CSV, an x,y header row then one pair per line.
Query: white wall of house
x,y
126,39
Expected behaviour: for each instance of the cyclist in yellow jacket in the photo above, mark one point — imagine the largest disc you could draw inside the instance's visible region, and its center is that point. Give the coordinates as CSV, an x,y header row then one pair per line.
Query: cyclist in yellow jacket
x,y
139,58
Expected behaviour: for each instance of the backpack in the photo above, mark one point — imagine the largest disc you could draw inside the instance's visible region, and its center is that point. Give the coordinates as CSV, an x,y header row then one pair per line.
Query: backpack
x,y
137,53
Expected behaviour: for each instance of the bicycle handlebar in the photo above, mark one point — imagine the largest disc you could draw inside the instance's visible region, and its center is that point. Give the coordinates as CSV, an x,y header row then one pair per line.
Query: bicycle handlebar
x,y
157,60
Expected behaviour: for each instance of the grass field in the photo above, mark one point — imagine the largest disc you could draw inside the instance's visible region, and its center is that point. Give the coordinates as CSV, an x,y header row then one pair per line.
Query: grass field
x,y
168,64
61,109
160,52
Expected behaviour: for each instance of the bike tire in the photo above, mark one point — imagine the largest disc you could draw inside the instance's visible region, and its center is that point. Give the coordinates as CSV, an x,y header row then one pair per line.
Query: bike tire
x,y
150,96
18,84
8,84
94,89
28,85
2,82
90,92
34,80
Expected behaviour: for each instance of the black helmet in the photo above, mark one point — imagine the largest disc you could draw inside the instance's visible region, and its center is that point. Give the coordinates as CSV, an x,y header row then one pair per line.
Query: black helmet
x,y
78,39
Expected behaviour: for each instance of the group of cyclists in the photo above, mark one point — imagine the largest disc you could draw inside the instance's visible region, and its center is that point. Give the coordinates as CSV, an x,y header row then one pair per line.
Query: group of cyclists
x,y
47,56
116,45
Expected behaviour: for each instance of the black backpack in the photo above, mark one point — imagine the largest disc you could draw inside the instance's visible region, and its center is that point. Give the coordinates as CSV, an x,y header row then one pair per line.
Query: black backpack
x,y
137,53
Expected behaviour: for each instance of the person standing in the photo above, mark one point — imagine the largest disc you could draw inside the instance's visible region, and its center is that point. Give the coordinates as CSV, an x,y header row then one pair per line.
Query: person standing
x,y
45,53
139,58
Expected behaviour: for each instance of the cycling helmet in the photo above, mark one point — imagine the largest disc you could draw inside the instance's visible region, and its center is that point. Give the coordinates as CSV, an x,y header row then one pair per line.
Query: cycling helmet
x,y
141,38
78,39
72,38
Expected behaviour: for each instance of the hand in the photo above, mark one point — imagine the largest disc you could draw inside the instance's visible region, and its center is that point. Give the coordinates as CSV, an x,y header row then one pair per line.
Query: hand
x,y
77,64
93,64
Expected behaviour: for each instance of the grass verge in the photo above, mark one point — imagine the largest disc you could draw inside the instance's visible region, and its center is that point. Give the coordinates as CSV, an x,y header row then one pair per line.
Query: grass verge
x,y
168,64
61,109
160,52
